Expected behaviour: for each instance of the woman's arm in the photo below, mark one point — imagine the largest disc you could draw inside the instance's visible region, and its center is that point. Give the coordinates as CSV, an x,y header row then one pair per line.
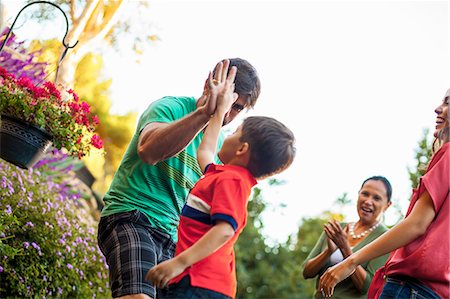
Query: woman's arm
x,y
313,266
317,259
409,229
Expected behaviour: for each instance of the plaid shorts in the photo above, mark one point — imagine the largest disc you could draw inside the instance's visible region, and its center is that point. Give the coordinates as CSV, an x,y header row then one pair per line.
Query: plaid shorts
x,y
131,247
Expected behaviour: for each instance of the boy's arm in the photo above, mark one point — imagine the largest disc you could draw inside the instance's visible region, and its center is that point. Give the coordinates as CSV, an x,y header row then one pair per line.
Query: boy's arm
x,y
215,238
208,146
221,91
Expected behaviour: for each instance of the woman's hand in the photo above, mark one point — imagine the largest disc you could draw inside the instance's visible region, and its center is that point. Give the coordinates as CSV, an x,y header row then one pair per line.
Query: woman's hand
x,y
331,246
339,236
334,275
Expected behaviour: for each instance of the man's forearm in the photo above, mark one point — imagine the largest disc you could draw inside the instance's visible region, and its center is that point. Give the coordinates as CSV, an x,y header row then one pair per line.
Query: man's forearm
x,y
160,141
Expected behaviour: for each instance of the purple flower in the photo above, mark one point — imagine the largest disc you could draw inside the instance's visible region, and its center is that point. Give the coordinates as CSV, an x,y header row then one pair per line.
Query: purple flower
x,y
59,291
35,246
1,269
8,210
30,224
11,189
69,266
26,244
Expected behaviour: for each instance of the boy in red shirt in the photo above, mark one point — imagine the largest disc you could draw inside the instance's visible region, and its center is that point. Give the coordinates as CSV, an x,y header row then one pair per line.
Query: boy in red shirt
x,y
216,209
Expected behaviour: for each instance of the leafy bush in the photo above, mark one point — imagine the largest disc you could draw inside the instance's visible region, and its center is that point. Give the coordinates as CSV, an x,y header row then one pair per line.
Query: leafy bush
x,y
48,246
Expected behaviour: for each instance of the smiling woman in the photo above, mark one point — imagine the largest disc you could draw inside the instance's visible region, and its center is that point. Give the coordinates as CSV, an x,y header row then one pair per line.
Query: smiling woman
x,y
340,240
419,244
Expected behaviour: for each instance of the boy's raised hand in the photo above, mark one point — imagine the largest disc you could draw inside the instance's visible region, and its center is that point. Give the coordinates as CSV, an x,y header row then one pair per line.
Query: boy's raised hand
x,y
221,88
162,273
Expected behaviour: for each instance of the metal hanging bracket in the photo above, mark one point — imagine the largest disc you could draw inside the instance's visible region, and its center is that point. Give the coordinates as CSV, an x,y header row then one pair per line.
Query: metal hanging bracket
x,y
66,46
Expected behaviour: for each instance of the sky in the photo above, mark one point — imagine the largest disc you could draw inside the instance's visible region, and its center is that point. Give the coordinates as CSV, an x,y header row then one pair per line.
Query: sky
x,y
356,81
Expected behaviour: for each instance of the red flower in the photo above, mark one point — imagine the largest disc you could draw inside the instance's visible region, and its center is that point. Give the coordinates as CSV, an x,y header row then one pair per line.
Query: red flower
x,y
96,141
70,121
52,89
95,120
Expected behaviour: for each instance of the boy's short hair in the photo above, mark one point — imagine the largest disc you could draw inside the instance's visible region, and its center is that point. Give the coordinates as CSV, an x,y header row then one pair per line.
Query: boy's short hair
x,y
271,145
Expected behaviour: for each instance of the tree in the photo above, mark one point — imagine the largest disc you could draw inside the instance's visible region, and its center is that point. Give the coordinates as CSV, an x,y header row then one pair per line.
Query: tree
x,y
423,154
264,271
95,23
115,130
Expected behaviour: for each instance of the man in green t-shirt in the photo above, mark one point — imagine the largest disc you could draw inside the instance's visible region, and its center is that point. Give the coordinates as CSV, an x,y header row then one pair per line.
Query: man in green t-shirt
x,y
138,224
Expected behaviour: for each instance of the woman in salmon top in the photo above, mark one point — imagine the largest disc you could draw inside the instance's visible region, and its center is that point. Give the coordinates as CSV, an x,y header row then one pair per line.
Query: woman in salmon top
x,y
419,264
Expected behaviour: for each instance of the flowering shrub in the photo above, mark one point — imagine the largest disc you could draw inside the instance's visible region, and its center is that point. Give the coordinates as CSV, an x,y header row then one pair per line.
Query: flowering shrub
x,y
48,246
69,121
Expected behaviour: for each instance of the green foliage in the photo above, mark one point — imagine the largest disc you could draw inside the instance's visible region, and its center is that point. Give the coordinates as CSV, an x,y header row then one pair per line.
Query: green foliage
x,y
264,271
116,130
423,154
48,245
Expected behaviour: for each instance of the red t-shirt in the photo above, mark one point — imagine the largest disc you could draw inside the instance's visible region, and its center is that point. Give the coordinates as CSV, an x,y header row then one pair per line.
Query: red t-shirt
x,y
221,194
427,258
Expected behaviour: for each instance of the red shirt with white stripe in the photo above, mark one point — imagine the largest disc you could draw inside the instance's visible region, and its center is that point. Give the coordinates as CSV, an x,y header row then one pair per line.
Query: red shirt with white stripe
x,y
221,194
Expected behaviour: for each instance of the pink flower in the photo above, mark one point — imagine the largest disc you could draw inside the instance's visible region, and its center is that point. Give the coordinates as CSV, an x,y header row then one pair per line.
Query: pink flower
x,y
52,89
70,121
96,141
85,107
95,120
75,96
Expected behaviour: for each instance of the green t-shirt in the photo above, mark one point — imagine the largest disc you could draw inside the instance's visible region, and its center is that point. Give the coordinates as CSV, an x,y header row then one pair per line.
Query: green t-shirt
x,y
159,191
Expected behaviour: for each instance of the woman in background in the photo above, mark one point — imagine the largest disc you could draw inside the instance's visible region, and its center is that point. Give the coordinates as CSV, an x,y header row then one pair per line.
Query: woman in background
x,y
339,241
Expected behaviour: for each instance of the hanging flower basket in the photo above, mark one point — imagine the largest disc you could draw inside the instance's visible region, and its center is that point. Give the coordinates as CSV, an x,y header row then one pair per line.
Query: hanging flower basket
x,y
22,144
64,120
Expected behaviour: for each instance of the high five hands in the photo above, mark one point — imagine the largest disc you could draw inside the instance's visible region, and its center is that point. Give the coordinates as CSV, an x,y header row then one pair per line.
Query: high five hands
x,y
219,89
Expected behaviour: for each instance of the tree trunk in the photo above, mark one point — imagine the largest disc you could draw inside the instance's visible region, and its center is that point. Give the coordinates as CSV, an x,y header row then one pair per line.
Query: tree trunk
x,y
88,29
